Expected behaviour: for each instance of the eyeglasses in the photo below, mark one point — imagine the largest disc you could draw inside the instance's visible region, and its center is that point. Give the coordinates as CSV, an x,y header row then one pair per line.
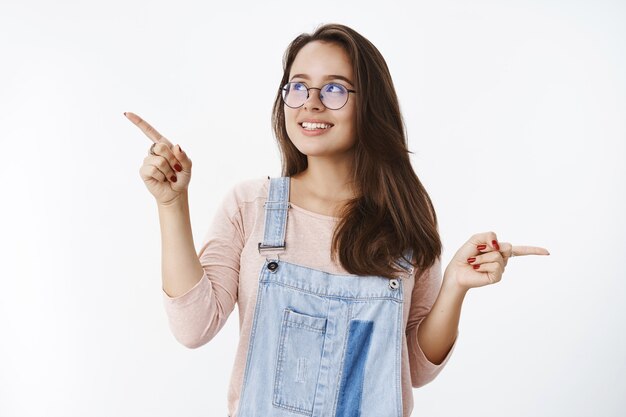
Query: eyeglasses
x,y
332,95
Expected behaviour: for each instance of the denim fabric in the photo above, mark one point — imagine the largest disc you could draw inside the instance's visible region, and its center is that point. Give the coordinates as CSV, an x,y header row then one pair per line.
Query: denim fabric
x,y
321,344
351,389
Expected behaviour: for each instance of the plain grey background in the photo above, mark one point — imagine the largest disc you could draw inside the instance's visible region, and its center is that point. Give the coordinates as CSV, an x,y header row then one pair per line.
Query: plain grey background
x,y
515,114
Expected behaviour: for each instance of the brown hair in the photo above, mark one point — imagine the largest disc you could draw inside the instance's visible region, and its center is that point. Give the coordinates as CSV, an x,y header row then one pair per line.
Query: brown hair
x,y
392,211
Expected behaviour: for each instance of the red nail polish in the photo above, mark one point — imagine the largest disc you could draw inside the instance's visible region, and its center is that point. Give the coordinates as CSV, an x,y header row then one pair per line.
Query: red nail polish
x,y
475,266
495,244
178,168
470,260
173,178
481,247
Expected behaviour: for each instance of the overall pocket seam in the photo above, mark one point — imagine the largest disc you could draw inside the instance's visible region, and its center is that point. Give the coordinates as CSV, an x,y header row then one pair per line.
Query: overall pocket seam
x,y
294,320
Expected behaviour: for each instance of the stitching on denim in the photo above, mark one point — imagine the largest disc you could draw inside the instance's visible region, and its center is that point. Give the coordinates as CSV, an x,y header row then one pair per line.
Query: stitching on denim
x,y
343,358
304,326
344,392
334,297
280,358
283,339
398,364
257,309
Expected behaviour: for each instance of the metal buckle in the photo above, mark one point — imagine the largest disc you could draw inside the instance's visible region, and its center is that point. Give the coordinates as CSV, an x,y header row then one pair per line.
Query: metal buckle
x,y
262,247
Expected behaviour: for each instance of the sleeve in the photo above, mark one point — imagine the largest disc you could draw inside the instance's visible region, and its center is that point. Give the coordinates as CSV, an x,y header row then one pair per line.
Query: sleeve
x,y
425,292
198,315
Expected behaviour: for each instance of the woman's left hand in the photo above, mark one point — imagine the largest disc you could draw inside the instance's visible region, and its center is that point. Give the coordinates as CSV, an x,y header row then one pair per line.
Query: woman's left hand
x,y
482,259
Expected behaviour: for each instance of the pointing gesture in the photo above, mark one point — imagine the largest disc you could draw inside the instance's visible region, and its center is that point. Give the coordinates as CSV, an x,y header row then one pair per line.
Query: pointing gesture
x,y
482,259
147,129
527,250
166,170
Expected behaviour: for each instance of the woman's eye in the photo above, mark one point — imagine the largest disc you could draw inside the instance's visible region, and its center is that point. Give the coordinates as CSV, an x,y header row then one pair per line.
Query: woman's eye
x,y
299,86
334,88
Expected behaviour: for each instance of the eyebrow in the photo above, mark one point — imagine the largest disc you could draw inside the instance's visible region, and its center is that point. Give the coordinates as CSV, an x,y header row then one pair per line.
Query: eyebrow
x,y
328,77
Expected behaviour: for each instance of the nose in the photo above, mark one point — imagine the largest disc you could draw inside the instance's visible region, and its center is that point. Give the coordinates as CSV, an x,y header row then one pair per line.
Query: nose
x,y
313,102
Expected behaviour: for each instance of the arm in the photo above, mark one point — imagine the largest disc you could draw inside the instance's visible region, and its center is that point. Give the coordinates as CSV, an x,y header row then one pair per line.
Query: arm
x,y
196,308
181,268
480,261
199,301
427,287
437,332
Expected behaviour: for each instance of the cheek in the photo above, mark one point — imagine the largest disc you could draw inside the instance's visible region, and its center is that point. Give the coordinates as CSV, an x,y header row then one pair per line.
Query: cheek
x,y
290,116
290,122
349,120
348,114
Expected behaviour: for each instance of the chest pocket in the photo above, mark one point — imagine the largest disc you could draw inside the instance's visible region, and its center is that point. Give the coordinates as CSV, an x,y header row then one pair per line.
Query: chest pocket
x,y
300,348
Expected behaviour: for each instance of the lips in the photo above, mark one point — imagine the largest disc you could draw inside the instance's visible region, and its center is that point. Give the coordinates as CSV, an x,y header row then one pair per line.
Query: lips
x,y
324,122
311,129
315,126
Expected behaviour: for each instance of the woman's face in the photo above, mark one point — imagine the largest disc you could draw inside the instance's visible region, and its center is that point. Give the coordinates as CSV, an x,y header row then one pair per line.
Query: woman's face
x,y
317,64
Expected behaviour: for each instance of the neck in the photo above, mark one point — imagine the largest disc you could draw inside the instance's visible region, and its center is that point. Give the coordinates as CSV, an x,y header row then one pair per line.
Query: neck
x,y
328,179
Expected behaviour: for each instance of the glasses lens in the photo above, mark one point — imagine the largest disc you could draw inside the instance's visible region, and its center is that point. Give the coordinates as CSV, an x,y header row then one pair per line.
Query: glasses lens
x,y
294,94
334,96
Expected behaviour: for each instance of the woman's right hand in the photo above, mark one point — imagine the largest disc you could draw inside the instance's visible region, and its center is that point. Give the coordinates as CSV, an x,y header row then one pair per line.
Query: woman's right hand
x,y
166,174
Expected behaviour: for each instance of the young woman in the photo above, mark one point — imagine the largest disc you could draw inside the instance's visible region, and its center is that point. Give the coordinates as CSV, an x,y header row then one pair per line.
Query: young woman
x,y
335,265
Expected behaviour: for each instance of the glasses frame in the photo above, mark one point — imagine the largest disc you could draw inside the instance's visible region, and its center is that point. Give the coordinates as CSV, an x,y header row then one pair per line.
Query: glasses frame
x,y
283,89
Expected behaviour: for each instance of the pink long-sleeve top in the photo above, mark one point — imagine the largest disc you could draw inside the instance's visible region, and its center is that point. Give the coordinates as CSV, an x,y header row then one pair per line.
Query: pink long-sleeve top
x,y
231,263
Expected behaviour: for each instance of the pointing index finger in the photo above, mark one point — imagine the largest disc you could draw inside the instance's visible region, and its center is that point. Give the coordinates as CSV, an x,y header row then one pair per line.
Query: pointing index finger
x,y
146,128
529,250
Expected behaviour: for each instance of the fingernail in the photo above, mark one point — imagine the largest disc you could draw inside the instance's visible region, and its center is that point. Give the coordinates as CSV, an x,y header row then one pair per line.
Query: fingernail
x,y
173,178
178,168
179,149
495,244
475,266
124,113
481,247
470,260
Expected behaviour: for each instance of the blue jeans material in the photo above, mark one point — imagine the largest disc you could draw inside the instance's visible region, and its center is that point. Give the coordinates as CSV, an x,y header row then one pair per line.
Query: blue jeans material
x,y
321,344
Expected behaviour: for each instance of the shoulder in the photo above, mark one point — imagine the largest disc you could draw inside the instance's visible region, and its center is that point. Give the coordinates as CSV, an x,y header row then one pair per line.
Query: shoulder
x,y
432,274
249,190
244,194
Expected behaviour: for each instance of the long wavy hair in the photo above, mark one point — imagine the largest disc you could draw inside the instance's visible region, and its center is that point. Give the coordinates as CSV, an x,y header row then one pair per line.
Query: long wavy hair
x,y
392,210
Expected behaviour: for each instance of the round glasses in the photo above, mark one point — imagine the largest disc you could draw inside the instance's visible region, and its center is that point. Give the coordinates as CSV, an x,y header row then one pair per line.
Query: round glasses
x,y
332,95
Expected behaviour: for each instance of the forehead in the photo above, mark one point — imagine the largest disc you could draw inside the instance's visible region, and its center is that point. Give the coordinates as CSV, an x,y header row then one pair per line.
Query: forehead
x,y
319,59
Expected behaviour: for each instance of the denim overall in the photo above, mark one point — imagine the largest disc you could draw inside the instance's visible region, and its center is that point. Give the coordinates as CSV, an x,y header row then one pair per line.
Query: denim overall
x,y
321,345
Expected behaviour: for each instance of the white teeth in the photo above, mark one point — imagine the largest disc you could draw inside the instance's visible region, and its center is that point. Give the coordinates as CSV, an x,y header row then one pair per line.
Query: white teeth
x,y
313,126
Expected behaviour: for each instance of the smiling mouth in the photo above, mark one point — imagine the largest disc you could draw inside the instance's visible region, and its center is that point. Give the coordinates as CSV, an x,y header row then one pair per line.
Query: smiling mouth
x,y
315,126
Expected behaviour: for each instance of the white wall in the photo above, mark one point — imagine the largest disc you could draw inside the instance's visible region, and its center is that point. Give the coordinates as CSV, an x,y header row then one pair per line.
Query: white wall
x,y
515,111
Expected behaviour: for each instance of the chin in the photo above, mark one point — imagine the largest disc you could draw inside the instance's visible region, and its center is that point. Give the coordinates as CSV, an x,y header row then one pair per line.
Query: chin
x,y
318,150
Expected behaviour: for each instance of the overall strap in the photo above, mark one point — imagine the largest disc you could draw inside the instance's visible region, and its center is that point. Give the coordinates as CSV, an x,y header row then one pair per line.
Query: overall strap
x,y
403,263
276,208
276,211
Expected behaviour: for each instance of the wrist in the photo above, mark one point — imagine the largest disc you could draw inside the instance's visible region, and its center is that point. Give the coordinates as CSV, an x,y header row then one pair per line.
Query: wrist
x,y
451,286
176,203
